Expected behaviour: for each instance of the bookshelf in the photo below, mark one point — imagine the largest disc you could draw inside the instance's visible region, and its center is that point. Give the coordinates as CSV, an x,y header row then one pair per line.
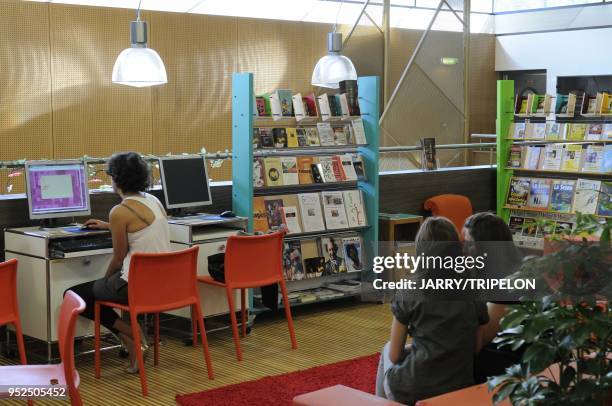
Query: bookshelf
x,y
527,177
244,192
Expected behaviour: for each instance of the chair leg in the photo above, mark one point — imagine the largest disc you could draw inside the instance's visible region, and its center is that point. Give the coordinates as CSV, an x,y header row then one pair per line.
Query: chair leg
x,y
20,345
75,397
288,314
139,359
156,341
209,368
194,327
232,312
97,339
243,317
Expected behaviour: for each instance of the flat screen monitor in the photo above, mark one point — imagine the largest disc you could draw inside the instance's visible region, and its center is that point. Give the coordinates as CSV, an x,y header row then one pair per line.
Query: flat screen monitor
x,y
185,181
57,189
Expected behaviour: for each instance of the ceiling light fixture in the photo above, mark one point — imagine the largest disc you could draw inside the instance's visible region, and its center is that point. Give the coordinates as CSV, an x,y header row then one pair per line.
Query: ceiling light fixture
x,y
333,67
139,66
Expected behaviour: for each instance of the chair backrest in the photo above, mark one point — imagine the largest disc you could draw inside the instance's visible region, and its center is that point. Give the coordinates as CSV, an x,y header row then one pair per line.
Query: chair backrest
x,y
456,208
254,260
72,306
8,290
159,281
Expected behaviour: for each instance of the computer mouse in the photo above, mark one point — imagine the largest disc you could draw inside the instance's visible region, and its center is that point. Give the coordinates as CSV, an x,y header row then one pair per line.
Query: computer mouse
x,y
226,214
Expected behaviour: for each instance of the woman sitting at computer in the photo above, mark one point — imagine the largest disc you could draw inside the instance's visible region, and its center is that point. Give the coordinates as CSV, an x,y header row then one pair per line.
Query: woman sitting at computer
x,y
137,224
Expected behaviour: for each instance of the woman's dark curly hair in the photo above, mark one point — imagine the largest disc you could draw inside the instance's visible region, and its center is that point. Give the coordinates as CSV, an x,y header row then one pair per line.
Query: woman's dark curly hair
x,y
129,171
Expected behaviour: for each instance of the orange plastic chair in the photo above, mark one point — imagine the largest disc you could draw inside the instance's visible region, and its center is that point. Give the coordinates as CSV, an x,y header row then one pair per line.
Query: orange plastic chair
x,y
158,282
54,374
456,208
9,308
252,262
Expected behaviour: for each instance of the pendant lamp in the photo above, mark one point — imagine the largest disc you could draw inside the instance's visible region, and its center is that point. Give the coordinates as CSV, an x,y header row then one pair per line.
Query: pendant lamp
x,y
333,67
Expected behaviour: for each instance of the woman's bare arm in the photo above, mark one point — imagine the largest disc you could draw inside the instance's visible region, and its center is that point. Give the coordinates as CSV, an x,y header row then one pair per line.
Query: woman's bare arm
x,y
397,343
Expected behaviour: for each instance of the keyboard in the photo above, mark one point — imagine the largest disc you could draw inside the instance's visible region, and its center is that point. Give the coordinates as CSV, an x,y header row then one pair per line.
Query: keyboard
x,y
59,248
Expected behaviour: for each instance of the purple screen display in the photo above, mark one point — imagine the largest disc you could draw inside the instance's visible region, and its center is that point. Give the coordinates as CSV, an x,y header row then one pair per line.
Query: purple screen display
x,y
57,188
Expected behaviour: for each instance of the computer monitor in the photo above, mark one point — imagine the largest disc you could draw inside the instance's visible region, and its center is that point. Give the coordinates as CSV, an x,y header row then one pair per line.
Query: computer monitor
x,y
57,189
185,181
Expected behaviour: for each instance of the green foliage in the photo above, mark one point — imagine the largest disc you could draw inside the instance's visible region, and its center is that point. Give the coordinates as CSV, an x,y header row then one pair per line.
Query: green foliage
x,y
567,327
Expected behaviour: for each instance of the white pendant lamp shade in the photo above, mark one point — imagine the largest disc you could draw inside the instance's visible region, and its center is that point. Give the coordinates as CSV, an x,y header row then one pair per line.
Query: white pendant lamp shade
x,y
139,66
334,67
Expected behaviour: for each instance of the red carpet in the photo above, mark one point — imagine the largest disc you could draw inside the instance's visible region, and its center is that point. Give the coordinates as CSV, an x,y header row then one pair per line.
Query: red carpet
x,y
358,373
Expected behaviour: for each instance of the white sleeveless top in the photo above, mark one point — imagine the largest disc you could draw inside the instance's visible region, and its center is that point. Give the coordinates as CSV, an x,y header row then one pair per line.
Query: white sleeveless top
x,y
153,239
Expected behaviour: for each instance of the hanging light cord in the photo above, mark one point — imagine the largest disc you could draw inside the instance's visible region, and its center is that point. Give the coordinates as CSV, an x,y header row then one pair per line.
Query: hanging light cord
x,y
138,11
338,14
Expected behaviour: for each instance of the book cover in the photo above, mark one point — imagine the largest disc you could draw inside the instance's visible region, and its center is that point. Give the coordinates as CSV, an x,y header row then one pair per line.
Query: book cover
x,y
292,137
326,169
606,105
344,108
338,168
299,110
593,158
348,168
301,137
532,157
326,134
310,101
428,156
359,131
293,264
340,136
606,132
333,210
561,104
359,168
260,216
518,130
286,102
280,137
291,219
316,170
311,213
555,131
312,137
530,227
577,131
304,170
562,195
528,130
335,104
594,132
350,135
518,191
591,105
563,226
331,99
539,196
540,104
551,161
539,131
353,254
523,106
606,165
266,137
310,248
274,212
586,196
324,107
262,104
256,138
604,206
333,253
355,210
314,267
515,157
349,87
274,171
275,106
290,170
515,223
259,175
572,154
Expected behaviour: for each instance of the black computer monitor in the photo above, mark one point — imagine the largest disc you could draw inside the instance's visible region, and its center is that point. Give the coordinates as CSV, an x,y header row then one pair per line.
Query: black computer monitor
x,y
185,181
57,189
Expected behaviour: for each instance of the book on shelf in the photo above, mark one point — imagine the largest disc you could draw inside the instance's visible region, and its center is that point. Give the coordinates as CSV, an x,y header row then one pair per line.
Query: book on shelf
x,y
324,107
539,195
338,168
586,196
428,154
347,166
293,263
290,170
355,210
562,227
344,108
256,138
275,106
302,140
312,137
262,105
304,165
518,191
311,213
340,136
530,227
326,134
572,153
333,254
532,157
594,132
515,223
604,206
528,130
606,165
259,175
593,158
353,254
317,170
346,286
334,211
326,170
280,137
335,104
562,195
292,137
286,102
350,89
274,171
299,110
606,132
577,131
359,131
325,293
541,104
555,131
291,219
515,159
551,159
310,105
274,212
606,103
590,104
266,137
539,131
517,130
359,167
522,105
314,267
260,216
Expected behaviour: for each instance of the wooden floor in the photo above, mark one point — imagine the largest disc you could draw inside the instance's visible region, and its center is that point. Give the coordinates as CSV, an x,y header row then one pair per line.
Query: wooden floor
x,y
327,335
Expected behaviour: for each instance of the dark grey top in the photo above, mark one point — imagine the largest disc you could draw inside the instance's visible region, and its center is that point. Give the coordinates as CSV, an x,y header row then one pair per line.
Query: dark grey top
x,y
441,357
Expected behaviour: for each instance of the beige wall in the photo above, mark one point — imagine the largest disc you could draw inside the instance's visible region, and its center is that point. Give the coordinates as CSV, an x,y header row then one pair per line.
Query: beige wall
x,y
57,100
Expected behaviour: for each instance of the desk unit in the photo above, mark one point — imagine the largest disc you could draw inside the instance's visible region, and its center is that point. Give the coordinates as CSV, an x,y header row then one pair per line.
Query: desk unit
x,y
210,233
49,263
